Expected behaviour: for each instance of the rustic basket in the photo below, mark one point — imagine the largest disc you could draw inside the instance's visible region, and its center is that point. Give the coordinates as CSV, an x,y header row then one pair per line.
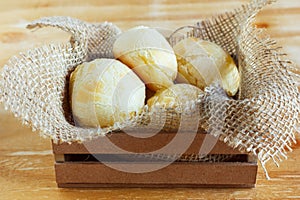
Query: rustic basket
x,y
77,166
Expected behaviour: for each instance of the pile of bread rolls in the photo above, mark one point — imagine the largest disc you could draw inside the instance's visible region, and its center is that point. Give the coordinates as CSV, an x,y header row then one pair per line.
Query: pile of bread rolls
x,y
146,69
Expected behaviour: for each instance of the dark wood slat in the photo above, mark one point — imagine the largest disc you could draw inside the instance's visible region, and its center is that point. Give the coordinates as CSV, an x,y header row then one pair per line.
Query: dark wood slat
x,y
142,145
176,174
70,185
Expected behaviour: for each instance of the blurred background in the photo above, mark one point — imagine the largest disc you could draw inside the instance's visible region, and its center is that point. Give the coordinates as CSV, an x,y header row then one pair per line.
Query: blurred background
x,y
26,161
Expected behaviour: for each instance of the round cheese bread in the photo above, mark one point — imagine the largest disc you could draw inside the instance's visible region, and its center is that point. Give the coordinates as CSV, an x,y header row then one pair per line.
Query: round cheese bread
x,y
103,92
149,54
201,63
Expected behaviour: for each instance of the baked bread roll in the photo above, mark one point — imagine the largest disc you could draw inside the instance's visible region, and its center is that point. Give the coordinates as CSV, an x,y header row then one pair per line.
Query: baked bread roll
x,y
103,92
200,63
174,96
149,54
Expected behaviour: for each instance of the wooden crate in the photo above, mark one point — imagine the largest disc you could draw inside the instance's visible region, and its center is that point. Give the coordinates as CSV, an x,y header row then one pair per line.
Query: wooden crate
x,y
76,167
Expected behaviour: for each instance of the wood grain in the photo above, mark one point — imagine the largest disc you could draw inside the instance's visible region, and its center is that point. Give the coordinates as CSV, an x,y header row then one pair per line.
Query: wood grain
x,y
26,160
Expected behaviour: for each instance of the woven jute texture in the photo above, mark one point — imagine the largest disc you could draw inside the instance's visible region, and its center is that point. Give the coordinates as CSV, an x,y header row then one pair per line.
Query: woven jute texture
x,y
261,120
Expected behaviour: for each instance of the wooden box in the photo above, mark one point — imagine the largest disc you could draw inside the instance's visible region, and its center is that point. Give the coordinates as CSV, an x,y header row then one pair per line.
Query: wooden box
x,y
75,165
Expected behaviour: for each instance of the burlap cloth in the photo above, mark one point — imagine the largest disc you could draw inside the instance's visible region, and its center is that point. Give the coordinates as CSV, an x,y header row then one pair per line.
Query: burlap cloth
x,y
261,121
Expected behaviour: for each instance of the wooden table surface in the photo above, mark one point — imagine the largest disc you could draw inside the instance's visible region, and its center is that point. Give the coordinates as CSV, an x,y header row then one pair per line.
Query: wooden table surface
x,y
26,160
